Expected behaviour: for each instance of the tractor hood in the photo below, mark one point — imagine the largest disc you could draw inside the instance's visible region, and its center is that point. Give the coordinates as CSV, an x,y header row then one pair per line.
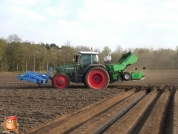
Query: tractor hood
x,y
66,68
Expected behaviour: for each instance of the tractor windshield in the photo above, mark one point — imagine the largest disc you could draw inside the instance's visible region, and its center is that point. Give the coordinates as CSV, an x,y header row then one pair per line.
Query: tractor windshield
x,y
89,59
85,59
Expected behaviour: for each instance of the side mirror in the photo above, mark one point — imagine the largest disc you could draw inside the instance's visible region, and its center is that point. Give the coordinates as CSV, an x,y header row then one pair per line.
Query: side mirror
x,y
144,67
74,58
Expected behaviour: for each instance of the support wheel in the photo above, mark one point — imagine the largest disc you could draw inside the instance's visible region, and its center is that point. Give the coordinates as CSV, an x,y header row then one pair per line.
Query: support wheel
x,y
126,76
60,81
97,78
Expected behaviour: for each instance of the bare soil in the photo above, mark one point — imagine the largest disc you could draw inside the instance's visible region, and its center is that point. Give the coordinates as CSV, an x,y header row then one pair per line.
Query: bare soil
x,y
43,109
127,122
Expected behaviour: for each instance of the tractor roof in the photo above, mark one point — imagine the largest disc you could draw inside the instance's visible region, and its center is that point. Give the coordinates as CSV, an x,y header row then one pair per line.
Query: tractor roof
x,y
87,52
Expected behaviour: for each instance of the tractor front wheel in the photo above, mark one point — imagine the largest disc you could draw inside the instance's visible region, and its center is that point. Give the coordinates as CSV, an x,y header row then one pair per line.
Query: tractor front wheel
x,y
97,78
60,81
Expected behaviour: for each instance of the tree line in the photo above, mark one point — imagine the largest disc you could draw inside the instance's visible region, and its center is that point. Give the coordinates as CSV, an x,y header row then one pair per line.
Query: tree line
x,y
20,56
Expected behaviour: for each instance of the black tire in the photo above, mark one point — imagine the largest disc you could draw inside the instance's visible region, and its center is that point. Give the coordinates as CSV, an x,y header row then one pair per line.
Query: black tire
x,y
85,84
97,78
126,76
61,81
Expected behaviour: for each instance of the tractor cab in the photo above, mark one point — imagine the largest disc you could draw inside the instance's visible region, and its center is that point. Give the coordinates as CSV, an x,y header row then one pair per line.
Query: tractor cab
x,y
84,58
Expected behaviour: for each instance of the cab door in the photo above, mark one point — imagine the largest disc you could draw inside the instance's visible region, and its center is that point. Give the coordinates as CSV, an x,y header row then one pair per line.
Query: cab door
x,y
84,61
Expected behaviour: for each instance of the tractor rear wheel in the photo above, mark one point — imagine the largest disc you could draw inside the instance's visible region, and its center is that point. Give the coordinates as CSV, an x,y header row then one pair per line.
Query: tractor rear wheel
x,y
97,78
85,83
61,81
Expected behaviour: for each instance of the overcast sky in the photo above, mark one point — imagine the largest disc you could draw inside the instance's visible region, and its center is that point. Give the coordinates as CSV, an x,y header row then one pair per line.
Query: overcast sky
x,y
94,23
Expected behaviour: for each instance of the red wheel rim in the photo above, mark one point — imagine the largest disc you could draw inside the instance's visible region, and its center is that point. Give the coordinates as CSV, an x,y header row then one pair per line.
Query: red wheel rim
x,y
97,79
60,81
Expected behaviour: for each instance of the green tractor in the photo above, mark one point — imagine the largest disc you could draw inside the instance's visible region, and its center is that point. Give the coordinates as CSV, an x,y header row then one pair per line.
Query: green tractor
x,y
86,69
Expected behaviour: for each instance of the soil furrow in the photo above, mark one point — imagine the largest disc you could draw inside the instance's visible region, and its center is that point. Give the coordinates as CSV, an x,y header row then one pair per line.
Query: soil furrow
x,y
104,120
154,122
78,118
175,112
126,123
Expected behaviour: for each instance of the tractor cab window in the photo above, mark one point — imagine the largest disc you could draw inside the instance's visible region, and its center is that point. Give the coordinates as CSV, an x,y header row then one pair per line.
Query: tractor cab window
x,y
89,59
85,59
95,59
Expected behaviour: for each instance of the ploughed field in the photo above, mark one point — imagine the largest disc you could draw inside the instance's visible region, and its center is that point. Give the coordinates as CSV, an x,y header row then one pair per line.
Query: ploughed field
x,y
147,106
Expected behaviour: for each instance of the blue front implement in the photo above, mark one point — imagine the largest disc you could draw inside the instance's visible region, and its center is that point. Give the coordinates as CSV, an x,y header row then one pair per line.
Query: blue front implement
x,y
36,77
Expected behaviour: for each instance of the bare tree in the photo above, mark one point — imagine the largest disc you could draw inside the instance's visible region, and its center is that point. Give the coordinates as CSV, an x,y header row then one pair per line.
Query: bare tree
x,y
13,38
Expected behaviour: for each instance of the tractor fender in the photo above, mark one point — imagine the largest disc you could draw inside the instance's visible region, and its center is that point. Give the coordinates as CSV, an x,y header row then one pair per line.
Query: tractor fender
x,y
94,65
